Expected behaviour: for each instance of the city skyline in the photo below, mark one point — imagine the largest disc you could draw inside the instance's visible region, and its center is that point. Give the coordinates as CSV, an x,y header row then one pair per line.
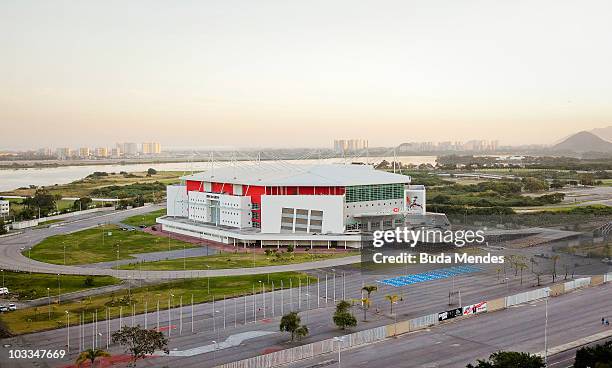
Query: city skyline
x,y
277,74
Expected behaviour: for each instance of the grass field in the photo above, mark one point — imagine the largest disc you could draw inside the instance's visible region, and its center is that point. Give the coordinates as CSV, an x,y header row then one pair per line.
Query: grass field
x,y
27,286
233,260
83,187
147,219
37,319
96,245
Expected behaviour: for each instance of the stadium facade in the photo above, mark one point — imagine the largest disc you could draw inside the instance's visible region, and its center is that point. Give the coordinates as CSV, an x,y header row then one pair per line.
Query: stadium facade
x,y
273,205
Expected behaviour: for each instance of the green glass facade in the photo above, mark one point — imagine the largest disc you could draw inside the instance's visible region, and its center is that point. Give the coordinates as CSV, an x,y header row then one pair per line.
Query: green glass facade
x,y
363,193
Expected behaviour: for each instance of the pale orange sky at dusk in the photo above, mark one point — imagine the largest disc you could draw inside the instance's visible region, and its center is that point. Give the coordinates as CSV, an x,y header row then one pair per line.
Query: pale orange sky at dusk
x,y
301,73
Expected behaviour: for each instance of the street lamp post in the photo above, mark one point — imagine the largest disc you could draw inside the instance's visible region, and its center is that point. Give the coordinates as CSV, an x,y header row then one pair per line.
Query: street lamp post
x,y
339,340
67,331
546,328
207,279
49,302
59,290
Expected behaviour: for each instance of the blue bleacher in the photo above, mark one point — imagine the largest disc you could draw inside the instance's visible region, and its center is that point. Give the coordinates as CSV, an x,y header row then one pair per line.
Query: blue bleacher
x,y
438,274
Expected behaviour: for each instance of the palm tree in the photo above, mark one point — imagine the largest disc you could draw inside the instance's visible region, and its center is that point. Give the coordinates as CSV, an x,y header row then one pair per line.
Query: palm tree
x,y
366,305
91,355
369,289
392,300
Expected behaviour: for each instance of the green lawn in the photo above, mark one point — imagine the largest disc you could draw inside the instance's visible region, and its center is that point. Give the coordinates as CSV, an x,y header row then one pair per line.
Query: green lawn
x,y
25,286
37,319
234,260
147,219
96,245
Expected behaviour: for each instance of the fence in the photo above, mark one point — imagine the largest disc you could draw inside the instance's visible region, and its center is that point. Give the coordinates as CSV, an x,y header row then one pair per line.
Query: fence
x,y
527,296
310,350
578,283
424,321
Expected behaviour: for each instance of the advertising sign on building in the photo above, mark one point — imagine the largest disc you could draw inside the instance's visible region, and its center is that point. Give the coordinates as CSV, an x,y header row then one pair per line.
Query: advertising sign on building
x,y
414,200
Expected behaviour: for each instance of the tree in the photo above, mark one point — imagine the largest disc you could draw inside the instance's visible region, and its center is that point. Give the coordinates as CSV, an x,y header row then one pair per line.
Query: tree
x,y
291,322
301,331
82,203
554,259
369,289
392,300
2,227
91,355
139,342
342,317
510,359
598,356
366,302
534,184
151,171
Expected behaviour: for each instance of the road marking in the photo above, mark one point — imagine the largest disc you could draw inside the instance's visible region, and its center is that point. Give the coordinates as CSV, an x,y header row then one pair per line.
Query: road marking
x,y
230,342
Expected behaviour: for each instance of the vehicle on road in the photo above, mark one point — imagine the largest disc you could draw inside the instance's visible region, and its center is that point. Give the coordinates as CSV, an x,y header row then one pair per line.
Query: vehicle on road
x,y
12,307
3,308
4,291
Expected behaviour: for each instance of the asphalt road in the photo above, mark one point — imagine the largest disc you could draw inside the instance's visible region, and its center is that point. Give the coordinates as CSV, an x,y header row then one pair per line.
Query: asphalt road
x,y
418,299
12,259
521,328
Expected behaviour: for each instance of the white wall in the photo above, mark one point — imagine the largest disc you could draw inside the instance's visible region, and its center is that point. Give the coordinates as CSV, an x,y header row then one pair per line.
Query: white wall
x,y
234,211
176,200
331,205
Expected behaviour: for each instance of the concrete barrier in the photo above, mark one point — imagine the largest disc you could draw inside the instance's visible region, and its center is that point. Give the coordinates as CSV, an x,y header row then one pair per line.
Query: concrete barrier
x,y
424,321
597,280
397,328
526,296
496,304
578,283
557,289
608,277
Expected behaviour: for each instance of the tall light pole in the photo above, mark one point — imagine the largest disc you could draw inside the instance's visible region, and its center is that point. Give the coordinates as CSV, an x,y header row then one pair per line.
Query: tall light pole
x,y
184,259
59,290
207,279
49,302
340,340
68,331
546,328
2,278
64,244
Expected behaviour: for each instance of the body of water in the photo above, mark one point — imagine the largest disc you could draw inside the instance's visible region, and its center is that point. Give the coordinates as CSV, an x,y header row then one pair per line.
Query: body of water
x,y
15,178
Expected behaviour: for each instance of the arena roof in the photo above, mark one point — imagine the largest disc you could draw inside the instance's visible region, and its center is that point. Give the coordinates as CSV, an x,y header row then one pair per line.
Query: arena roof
x,y
267,174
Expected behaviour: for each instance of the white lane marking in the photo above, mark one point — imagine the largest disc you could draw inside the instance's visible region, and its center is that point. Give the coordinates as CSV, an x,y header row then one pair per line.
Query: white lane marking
x,y
230,342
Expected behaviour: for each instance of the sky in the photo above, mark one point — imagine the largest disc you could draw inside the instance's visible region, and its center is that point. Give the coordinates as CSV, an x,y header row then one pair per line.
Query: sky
x,y
301,73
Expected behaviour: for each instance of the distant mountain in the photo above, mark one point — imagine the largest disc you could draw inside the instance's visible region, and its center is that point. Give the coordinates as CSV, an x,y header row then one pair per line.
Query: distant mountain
x,y
583,142
603,133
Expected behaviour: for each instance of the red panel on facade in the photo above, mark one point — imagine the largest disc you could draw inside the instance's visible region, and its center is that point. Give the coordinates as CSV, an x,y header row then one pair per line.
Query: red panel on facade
x,y
222,188
194,186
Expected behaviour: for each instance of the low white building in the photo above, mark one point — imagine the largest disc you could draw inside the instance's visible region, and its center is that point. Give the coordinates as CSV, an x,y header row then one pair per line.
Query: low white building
x,y
5,207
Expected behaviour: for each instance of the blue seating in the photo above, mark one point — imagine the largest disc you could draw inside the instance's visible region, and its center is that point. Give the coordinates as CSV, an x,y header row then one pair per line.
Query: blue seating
x,y
438,274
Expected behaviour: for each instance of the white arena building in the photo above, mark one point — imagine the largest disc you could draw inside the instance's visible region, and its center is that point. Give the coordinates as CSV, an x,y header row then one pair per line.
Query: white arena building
x,y
273,206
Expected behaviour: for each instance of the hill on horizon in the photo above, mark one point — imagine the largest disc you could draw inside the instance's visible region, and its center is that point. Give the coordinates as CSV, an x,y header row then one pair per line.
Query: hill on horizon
x,y
603,133
583,142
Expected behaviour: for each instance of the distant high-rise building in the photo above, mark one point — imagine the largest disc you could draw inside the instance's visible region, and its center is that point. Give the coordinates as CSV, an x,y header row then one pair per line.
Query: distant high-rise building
x,y
62,152
128,148
84,152
350,145
115,152
101,152
151,148
46,151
